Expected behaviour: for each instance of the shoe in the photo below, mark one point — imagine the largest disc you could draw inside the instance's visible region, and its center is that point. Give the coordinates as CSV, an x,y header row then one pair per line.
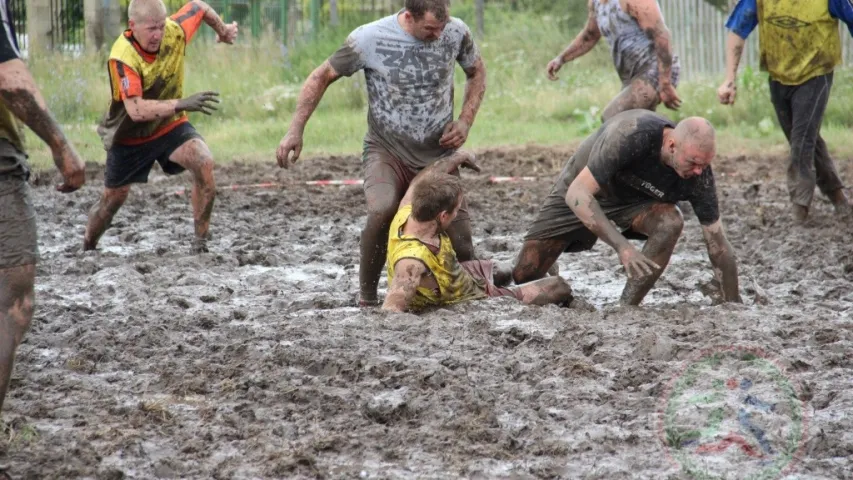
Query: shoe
x,y
799,213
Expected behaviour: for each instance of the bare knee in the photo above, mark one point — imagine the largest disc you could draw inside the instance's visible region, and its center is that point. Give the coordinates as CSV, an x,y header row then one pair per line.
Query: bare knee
x,y
17,299
670,223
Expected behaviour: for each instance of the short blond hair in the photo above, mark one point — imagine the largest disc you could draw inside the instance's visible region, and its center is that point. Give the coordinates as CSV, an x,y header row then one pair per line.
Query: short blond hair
x,y
139,10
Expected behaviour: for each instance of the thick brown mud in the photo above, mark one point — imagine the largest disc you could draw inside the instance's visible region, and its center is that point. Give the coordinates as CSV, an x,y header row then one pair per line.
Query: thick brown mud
x,y
144,361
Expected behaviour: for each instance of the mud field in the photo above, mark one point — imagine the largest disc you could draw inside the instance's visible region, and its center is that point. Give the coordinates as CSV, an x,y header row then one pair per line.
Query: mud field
x,y
251,362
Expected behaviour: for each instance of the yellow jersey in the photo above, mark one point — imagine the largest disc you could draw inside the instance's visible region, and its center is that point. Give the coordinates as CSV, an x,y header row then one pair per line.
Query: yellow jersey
x,y
798,40
455,284
152,76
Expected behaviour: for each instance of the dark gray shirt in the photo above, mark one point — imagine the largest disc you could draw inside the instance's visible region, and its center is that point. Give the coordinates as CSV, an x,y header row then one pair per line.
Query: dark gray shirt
x,y
624,158
409,84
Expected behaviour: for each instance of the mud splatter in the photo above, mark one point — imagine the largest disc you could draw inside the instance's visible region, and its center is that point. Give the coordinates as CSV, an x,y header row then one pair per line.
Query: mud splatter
x,y
250,362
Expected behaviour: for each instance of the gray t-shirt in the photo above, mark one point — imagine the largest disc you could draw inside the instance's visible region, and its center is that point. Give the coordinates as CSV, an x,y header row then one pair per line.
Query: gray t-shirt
x,y
409,84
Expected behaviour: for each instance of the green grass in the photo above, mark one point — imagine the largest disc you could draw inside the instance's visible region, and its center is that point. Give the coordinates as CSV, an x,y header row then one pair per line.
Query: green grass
x,y
259,83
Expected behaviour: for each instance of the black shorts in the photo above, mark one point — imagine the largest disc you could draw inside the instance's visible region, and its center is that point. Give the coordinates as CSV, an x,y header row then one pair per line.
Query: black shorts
x,y
556,220
127,164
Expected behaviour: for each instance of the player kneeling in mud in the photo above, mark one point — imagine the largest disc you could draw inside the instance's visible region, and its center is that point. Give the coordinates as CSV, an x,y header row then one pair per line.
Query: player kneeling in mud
x,y
147,120
423,269
623,182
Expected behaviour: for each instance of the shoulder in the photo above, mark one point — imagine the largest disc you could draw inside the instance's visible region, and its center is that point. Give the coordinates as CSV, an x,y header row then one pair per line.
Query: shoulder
x,y
173,29
124,51
457,29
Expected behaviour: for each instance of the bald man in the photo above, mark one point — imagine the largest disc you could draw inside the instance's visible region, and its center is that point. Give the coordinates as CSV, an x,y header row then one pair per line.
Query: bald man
x,y
147,120
623,182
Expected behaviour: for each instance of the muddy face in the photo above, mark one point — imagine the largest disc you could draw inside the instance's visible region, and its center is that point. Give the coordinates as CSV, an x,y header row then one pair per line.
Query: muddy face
x,y
149,32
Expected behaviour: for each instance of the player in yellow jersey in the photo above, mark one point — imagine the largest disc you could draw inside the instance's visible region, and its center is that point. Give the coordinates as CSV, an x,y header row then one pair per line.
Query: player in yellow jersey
x,y
423,270
800,47
147,120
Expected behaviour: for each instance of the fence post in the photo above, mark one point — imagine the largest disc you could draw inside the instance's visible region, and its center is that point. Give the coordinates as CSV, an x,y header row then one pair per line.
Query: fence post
x,y
315,18
333,13
112,21
285,9
255,14
39,26
226,11
481,27
93,16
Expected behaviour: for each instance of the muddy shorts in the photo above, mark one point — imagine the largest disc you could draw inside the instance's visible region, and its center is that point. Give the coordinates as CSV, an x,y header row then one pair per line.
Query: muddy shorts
x,y
650,74
380,167
127,164
484,270
557,221
18,239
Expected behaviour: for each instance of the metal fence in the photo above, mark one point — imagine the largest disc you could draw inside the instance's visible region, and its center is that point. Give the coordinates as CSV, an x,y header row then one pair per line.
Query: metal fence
x,y
699,38
67,25
18,9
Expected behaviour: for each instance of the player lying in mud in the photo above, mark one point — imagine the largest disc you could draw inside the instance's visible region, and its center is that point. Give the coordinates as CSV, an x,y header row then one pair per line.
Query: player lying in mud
x,y
623,182
423,269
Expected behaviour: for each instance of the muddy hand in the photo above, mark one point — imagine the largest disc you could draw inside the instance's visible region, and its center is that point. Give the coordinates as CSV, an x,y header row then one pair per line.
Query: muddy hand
x,y
455,134
200,102
463,158
636,264
554,66
229,34
72,168
727,92
669,97
290,143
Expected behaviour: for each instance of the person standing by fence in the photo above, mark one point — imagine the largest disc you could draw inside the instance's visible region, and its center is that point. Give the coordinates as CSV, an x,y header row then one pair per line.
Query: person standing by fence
x,y
408,59
21,99
800,47
641,49
147,120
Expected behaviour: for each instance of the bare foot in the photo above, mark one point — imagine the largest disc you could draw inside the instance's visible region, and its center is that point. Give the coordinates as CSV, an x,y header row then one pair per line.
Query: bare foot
x,y
799,213
841,202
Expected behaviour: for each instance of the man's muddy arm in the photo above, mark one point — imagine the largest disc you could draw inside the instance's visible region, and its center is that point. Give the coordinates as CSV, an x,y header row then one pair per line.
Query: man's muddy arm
x,y
211,18
585,40
142,110
734,51
723,260
648,16
19,92
309,97
408,274
580,197
475,90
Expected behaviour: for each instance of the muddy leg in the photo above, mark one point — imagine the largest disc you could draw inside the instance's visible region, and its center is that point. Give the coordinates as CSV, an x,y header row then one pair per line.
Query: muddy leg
x,y
460,236
662,223
101,215
639,94
551,290
536,258
16,312
382,202
196,157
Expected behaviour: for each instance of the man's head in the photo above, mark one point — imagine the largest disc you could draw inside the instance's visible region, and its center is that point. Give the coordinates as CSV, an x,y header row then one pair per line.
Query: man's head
x,y
426,19
437,200
692,146
147,20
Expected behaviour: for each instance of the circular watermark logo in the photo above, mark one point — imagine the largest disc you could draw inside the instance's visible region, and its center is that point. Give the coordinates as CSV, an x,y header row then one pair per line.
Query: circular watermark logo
x,y
732,412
